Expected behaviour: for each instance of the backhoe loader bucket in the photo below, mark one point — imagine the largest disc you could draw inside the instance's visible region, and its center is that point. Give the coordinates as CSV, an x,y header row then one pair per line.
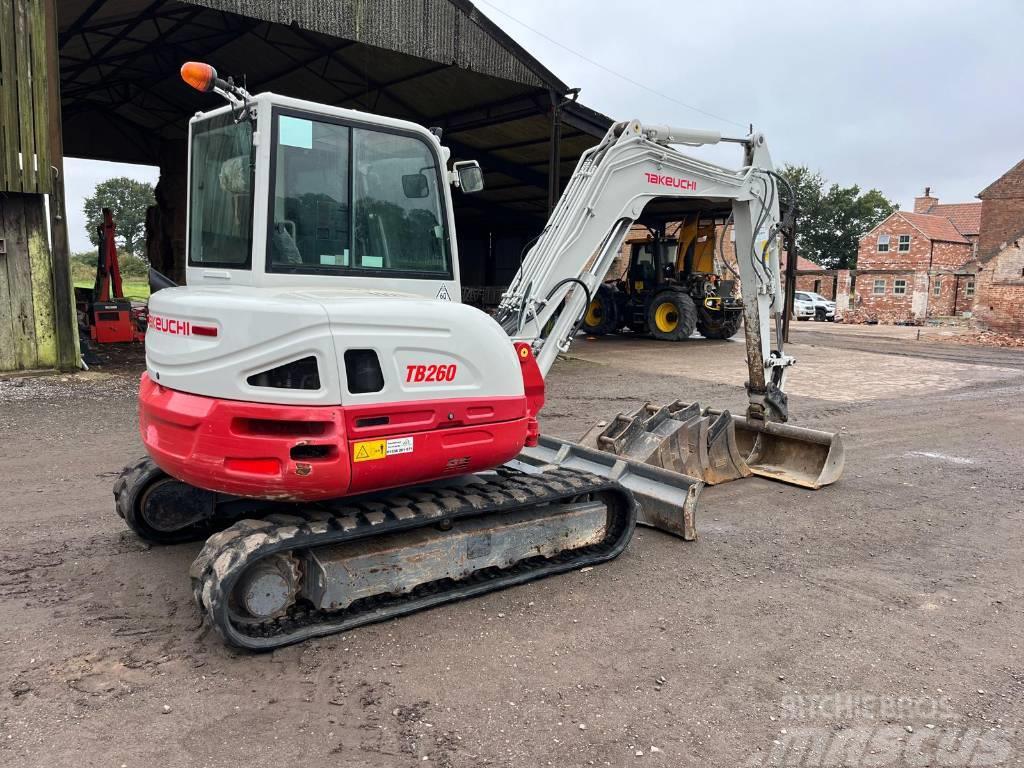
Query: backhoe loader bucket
x,y
800,456
716,446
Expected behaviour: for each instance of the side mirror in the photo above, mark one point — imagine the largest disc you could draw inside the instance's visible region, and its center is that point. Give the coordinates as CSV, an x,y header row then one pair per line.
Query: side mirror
x,y
415,185
471,178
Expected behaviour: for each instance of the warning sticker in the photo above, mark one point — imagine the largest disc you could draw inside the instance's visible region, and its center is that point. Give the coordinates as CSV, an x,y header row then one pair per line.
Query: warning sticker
x,y
369,450
443,294
372,450
399,445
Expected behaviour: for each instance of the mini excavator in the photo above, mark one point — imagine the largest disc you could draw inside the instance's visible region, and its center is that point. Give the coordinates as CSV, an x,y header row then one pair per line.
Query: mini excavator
x,y
353,442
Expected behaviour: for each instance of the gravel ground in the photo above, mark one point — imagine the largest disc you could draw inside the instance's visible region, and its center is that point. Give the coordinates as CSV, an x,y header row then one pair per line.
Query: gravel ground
x,y
875,622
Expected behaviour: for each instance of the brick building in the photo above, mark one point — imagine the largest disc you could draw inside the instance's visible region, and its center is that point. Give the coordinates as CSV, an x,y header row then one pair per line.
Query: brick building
x,y
915,265
999,303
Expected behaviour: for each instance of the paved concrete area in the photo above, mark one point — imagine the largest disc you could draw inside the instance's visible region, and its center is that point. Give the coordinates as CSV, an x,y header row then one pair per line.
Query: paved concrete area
x,y
875,622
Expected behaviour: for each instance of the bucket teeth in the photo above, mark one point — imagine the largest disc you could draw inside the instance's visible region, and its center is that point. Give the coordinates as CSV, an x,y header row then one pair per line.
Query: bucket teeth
x,y
680,437
715,446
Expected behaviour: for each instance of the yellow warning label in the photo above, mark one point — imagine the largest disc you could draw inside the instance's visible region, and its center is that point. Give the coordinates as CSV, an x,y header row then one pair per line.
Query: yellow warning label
x,y
369,450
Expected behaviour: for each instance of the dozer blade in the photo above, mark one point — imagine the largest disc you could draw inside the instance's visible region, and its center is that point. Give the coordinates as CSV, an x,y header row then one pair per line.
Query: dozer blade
x,y
800,456
679,437
668,499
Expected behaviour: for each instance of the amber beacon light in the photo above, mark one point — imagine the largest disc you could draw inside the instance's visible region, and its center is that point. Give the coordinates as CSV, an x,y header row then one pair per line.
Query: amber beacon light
x,y
200,76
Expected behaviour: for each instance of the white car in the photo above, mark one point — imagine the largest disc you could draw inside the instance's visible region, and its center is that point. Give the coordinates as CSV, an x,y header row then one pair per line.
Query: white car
x,y
808,305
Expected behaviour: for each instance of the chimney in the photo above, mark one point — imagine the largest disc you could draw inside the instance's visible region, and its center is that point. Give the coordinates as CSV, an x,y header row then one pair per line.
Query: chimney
x,y
924,203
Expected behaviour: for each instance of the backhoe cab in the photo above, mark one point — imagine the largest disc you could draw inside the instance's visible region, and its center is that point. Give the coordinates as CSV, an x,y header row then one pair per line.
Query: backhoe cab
x,y
670,288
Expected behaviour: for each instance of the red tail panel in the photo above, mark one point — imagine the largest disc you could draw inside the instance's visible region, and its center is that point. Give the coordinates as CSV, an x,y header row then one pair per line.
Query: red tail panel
x,y
306,453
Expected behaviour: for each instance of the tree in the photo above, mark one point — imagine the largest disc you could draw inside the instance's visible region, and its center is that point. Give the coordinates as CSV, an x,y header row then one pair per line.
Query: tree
x,y
832,220
128,199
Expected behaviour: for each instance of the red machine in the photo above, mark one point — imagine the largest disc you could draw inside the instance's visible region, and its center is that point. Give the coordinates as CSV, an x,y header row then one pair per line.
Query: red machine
x,y
111,318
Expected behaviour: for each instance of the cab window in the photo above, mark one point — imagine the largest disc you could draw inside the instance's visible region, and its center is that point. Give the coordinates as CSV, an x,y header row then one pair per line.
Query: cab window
x,y
350,200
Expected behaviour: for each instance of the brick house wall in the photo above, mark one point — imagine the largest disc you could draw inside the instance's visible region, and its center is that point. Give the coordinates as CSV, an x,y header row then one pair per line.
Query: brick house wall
x,y
877,295
999,295
869,257
1002,211
823,281
893,286
950,256
948,285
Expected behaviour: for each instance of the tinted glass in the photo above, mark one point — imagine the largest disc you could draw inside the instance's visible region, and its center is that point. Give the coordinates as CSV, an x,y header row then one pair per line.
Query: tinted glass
x,y
220,199
398,219
310,223
355,200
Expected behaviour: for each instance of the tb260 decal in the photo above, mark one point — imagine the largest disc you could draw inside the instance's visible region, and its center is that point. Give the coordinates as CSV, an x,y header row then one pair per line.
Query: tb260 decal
x,y
416,374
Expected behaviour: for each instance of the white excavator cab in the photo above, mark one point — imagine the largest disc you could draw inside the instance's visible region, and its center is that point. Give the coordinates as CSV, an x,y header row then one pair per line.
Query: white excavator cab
x,y
284,192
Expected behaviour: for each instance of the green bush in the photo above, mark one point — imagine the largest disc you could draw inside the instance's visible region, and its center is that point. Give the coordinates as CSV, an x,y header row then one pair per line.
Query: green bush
x,y
83,266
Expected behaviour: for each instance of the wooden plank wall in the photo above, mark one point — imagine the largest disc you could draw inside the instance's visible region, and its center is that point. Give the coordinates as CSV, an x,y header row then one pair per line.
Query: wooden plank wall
x,y
24,109
28,326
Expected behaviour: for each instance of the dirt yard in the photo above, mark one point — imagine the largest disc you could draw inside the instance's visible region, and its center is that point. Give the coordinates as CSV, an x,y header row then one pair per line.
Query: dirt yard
x,y
875,622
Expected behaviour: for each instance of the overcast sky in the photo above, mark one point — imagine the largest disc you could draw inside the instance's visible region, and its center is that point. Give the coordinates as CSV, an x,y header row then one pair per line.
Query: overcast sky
x,y
893,95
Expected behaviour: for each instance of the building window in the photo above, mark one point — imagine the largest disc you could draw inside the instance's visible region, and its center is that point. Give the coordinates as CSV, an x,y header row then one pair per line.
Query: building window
x,y
969,289
883,243
879,287
904,245
937,287
817,286
899,287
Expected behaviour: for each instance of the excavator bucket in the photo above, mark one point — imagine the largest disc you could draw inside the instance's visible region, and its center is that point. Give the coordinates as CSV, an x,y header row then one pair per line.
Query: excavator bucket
x,y
800,456
716,446
679,437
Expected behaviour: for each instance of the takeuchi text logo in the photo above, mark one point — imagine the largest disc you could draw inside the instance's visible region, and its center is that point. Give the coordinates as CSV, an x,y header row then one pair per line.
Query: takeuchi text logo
x,y
169,325
671,181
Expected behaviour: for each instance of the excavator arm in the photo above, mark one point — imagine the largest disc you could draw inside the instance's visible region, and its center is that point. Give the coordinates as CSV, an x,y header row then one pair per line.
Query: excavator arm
x,y
634,165
614,181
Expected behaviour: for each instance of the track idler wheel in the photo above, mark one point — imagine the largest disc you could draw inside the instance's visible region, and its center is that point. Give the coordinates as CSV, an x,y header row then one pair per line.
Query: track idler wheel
x,y
159,508
268,588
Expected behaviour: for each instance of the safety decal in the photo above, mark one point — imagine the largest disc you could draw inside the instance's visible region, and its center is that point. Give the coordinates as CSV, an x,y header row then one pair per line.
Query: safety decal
x,y
399,445
373,450
443,294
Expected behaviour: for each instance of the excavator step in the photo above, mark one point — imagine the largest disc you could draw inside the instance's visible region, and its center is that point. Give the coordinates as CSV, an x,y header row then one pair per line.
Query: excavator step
x,y
309,571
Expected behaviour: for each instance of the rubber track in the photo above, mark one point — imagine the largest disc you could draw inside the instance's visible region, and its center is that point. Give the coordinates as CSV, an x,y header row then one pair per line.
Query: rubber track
x,y
229,553
129,487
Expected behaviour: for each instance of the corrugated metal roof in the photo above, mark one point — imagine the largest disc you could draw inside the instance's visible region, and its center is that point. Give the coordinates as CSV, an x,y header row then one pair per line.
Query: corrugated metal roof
x,y
445,31
437,62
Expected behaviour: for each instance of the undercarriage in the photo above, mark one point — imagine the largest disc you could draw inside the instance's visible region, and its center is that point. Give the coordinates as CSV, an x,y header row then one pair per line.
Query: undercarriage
x,y
293,571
